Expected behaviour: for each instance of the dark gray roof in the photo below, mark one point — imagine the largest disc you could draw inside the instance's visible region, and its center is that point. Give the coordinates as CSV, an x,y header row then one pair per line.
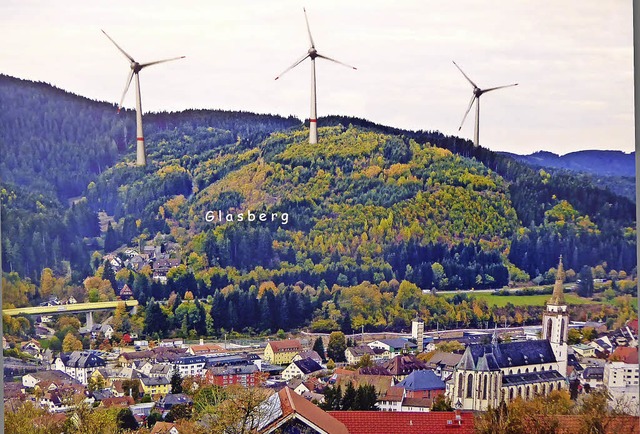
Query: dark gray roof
x,y
307,366
82,359
190,360
492,357
155,381
531,378
422,380
593,373
398,343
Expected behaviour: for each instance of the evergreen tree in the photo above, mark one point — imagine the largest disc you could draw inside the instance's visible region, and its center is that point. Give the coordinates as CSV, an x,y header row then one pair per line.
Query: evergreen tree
x,y
176,381
110,275
366,398
318,347
349,398
585,286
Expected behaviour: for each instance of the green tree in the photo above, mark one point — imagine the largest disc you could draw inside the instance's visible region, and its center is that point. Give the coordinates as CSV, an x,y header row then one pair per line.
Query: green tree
x,y
349,397
318,347
366,398
585,284
440,403
176,381
126,420
336,347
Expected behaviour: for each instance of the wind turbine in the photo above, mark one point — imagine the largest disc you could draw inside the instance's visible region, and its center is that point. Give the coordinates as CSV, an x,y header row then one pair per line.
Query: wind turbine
x,y
477,92
141,158
312,53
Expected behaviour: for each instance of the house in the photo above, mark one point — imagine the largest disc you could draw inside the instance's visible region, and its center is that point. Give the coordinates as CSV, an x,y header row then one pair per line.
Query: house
x,y
162,266
286,411
190,366
79,364
45,379
621,377
376,422
443,363
422,384
126,293
172,399
401,366
593,376
164,428
175,343
301,369
282,352
117,401
584,350
394,347
603,345
354,354
156,386
245,375
313,355
203,349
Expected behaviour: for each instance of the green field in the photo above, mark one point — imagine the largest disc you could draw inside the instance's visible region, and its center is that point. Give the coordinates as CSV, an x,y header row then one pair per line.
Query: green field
x,y
523,300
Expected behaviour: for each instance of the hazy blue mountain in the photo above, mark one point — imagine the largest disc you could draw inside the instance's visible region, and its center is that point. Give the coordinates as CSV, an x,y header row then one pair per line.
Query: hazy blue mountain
x,y
607,163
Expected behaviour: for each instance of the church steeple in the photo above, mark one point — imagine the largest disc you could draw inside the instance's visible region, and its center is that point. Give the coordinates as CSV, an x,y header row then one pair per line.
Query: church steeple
x,y
558,289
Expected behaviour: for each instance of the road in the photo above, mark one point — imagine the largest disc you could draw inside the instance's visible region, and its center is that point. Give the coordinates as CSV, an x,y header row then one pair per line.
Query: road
x,y
68,308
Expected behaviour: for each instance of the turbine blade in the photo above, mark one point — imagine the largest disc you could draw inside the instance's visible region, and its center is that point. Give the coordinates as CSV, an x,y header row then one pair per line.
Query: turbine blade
x,y
118,47
336,61
465,75
126,88
293,66
308,28
499,87
144,65
473,99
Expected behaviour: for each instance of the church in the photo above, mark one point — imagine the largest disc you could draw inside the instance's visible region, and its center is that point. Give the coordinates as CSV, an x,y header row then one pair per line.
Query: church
x,y
490,373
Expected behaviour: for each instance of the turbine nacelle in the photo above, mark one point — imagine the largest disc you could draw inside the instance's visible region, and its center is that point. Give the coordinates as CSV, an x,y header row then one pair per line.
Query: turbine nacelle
x,y
475,98
136,67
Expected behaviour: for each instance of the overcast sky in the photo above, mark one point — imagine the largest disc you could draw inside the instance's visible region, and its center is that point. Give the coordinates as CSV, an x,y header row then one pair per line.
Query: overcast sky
x,y
573,60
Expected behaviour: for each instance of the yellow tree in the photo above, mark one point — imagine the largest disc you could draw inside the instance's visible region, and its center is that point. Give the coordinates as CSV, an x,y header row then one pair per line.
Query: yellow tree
x,y
71,343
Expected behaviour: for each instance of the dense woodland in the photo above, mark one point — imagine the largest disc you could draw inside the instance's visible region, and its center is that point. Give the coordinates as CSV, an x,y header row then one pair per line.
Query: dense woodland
x,y
369,205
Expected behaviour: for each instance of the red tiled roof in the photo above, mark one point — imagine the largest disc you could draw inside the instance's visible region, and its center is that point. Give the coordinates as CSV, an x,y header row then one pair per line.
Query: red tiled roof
x,y
403,422
626,354
286,346
573,424
291,402
162,427
633,325
123,401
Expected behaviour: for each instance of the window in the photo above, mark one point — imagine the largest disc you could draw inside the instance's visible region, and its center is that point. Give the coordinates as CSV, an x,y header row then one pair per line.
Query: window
x,y
470,386
484,388
549,325
460,385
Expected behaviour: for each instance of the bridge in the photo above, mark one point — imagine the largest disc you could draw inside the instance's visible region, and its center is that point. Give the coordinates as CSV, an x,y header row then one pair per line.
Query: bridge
x,y
66,309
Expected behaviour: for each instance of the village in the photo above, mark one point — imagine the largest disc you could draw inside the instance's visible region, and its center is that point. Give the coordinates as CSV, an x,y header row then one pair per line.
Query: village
x,y
458,371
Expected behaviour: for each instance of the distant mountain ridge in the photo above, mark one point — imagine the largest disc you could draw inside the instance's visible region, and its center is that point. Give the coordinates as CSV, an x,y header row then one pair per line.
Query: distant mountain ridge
x,y
602,163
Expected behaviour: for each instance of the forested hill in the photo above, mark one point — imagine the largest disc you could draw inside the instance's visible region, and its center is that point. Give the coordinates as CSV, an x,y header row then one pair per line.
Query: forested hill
x,y
613,170
56,142
369,202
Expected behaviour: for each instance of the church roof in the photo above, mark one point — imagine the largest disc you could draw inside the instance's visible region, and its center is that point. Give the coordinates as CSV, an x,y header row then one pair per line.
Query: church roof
x,y
531,378
492,357
558,289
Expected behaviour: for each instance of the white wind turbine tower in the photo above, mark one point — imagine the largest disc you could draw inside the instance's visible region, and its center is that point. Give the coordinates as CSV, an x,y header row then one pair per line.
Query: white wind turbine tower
x,y
477,92
312,53
141,158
